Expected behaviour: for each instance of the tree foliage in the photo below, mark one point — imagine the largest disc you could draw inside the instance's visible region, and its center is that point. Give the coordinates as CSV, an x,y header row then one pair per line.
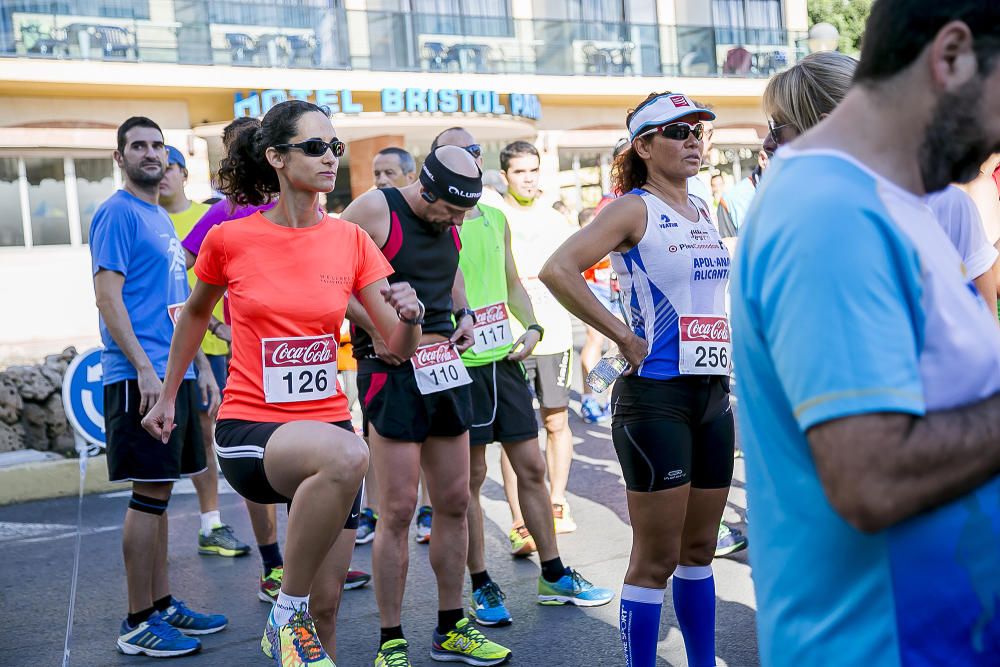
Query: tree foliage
x,y
848,16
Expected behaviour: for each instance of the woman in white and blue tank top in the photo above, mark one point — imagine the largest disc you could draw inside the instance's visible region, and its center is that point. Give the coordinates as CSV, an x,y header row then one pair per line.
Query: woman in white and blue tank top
x,y
673,426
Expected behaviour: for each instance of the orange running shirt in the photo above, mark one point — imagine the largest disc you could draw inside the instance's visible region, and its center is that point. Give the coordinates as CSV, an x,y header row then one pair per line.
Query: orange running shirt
x,y
288,294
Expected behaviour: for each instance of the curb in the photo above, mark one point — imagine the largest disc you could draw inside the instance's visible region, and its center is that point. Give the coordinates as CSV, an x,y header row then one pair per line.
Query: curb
x,y
53,479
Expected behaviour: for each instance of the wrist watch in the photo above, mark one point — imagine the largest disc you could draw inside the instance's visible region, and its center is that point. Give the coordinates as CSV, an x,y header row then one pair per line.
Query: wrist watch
x,y
539,329
459,314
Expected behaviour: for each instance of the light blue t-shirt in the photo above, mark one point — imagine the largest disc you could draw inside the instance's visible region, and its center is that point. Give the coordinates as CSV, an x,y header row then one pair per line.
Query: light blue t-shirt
x,y
848,298
137,240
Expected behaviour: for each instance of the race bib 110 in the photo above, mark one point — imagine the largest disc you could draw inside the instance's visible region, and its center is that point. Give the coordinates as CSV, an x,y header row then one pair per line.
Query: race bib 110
x,y
438,367
705,345
299,369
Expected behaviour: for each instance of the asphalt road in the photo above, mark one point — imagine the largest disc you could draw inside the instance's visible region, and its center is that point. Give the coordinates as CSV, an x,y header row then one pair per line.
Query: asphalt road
x,y
37,544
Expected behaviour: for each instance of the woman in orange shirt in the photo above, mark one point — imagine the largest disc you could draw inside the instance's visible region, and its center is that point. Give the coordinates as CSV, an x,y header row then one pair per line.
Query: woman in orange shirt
x,y
284,432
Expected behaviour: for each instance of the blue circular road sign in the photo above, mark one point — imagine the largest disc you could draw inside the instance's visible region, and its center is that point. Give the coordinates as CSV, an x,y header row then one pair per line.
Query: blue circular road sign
x,y
83,396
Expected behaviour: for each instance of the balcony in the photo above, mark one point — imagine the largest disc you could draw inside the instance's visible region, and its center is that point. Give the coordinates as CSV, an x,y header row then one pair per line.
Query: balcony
x,y
299,35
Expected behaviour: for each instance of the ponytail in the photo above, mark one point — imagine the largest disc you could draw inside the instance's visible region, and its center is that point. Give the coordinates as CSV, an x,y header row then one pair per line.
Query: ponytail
x,y
245,176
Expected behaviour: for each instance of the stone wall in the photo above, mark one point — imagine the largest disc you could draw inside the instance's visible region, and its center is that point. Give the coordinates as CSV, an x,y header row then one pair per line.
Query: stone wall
x,y
31,408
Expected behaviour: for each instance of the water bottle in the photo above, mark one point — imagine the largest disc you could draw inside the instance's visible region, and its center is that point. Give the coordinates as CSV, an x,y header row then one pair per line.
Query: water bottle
x,y
606,371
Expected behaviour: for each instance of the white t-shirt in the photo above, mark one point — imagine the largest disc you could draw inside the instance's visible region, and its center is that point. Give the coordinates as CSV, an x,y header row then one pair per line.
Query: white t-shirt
x,y
958,216
535,233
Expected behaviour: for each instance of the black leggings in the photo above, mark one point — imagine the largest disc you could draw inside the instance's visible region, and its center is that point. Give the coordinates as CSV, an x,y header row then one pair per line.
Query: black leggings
x,y
668,433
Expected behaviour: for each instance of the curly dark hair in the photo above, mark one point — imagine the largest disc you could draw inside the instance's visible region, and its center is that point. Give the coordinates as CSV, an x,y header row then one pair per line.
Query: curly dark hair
x,y
628,171
245,176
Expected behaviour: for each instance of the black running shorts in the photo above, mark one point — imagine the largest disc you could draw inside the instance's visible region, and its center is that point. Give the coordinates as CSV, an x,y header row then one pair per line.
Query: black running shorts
x,y
240,447
134,455
392,403
550,375
673,432
501,404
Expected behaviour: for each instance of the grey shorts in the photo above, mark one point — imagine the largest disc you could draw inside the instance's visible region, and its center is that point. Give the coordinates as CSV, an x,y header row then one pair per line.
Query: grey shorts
x,y
550,375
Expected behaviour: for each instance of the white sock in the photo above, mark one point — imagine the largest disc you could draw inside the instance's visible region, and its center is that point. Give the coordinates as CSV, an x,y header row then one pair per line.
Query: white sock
x,y
286,606
210,520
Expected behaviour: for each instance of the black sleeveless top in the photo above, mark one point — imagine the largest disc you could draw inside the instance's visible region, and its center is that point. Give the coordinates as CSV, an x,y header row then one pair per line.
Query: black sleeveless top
x,y
422,256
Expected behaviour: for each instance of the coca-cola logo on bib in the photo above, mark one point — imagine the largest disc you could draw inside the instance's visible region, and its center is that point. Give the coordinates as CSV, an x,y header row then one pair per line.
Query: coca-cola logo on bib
x,y
715,329
298,351
491,314
432,355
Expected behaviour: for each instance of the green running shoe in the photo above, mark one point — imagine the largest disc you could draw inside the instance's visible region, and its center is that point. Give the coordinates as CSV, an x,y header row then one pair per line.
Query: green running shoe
x,y
467,644
393,653
221,542
573,589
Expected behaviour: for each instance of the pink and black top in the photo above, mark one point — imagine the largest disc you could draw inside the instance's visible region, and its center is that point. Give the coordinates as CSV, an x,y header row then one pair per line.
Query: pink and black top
x,y
426,257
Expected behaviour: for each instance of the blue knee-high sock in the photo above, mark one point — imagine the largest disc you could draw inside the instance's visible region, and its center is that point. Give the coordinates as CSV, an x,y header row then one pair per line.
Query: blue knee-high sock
x,y
639,623
694,605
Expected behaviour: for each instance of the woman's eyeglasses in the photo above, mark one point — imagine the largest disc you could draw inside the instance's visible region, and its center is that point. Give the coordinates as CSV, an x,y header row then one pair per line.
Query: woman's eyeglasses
x,y
317,147
475,150
680,131
774,131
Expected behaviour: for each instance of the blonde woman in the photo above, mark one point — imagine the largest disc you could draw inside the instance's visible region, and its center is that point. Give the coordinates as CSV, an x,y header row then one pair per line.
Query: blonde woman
x,y
799,98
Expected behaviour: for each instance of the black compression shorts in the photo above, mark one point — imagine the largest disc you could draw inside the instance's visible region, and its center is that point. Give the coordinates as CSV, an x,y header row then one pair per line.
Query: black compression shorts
x,y
393,404
240,446
673,432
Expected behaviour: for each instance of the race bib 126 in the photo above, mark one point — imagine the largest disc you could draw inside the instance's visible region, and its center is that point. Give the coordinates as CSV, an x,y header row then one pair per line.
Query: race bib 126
x,y
492,328
705,345
299,369
438,367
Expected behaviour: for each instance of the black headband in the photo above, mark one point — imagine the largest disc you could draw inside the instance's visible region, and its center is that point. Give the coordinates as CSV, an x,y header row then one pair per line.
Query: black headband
x,y
456,189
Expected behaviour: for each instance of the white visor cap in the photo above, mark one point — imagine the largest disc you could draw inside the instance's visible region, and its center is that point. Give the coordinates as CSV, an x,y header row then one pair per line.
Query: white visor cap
x,y
663,109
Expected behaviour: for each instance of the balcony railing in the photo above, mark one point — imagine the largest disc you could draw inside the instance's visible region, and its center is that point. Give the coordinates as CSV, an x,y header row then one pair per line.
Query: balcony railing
x,y
213,32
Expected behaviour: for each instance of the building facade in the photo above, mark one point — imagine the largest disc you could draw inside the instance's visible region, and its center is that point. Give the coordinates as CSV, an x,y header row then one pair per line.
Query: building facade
x,y
560,73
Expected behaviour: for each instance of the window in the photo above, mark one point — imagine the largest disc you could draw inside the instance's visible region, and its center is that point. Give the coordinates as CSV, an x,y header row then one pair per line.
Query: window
x,y
40,190
119,9
11,225
94,183
748,22
279,13
485,18
47,201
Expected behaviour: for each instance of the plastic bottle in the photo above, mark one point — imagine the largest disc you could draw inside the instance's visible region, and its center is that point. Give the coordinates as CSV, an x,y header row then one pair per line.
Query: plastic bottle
x,y
606,371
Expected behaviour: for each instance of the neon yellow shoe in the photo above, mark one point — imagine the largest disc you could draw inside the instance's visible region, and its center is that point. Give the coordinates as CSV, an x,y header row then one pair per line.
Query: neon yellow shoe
x,y
270,585
522,544
467,644
393,653
294,644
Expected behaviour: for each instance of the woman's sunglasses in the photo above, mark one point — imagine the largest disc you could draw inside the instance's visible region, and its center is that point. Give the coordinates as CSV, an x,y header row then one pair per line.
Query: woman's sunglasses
x,y
775,131
680,131
317,147
475,150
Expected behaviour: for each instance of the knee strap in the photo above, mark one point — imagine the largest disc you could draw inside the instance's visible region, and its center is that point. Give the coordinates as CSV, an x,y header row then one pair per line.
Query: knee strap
x,y
141,503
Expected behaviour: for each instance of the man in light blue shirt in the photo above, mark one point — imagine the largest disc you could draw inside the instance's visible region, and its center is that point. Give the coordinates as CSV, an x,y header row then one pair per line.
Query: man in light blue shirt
x,y
141,284
869,366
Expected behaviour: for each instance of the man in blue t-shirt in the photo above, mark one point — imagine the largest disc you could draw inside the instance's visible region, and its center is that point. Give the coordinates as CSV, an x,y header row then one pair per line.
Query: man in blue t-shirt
x,y
870,367
141,283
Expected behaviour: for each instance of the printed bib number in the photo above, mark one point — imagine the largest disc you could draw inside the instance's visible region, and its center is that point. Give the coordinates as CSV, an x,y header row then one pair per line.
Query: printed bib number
x,y
438,367
705,345
299,369
492,328
174,311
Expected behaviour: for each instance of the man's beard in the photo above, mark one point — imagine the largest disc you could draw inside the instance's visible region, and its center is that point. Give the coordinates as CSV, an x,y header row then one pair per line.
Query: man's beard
x,y
141,177
955,143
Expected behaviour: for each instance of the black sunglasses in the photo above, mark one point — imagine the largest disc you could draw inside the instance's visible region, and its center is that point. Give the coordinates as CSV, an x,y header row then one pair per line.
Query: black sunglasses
x,y
317,147
475,150
775,131
680,131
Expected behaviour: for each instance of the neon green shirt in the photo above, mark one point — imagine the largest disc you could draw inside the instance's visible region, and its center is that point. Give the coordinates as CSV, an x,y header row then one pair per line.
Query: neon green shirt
x,y
183,223
483,262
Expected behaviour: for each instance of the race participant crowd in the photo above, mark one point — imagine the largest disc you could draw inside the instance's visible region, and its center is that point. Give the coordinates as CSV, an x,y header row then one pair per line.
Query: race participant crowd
x,y
859,315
